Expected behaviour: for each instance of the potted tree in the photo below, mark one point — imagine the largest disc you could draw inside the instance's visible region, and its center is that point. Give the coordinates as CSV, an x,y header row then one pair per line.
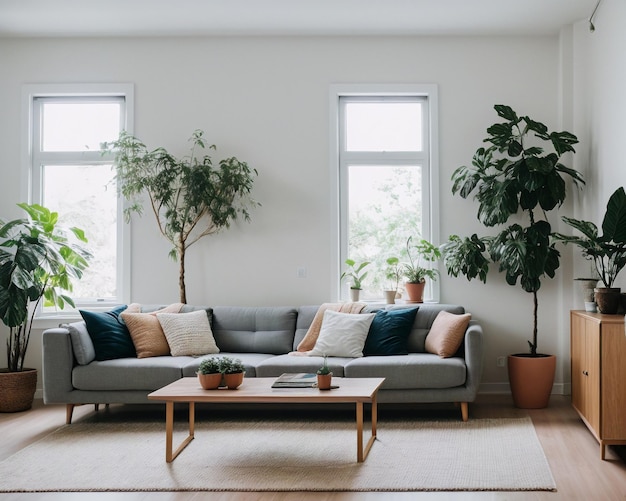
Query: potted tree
x,y
209,373
37,261
189,197
513,178
356,274
606,251
415,272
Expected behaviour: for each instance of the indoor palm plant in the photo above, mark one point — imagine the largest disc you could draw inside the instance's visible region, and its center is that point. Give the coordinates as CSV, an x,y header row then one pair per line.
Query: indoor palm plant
x,y
514,178
189,197
415,271
38,259
606,251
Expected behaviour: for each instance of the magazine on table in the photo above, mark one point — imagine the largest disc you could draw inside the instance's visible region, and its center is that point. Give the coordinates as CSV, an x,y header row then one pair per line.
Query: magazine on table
x,y
295,380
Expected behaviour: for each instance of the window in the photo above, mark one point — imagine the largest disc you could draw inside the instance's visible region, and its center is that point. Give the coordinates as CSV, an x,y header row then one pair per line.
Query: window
x,y
67,173
385,177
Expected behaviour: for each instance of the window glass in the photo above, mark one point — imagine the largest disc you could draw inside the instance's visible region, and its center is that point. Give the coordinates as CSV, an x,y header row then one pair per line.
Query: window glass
x,y
383,126
77,126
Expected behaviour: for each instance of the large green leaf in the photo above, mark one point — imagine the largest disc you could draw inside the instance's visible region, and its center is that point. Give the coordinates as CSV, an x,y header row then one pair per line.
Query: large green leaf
x,y
614,223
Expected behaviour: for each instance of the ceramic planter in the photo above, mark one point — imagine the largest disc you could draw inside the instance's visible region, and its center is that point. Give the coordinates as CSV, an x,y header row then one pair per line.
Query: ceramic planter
x,y
233,381
210,381
531,380
415,291
324,381
608,299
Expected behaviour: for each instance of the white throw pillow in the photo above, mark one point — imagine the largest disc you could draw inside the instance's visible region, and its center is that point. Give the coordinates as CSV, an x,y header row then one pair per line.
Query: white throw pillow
x,y
342,334
188,333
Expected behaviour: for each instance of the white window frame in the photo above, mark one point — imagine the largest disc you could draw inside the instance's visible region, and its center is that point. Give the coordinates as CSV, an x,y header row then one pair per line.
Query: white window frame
x,y
338,169
32,172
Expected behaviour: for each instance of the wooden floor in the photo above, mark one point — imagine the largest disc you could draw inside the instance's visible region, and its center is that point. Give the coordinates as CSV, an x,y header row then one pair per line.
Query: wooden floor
x,y
573,454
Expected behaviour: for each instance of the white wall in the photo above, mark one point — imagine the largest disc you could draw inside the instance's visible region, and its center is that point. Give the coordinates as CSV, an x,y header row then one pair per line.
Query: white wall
x,y
265,100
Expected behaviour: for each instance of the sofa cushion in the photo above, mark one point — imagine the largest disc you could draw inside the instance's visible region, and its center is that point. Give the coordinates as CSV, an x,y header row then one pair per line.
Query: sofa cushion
x,y
342,334
313,332
188,333
109,334
389,332
146,332
275,366
254,329
128,374
82,345
412,371
446,333
250,362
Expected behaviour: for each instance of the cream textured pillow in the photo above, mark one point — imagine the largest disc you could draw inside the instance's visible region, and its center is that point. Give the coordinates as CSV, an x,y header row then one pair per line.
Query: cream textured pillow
x,y
446,333
188,333
342,334
146,332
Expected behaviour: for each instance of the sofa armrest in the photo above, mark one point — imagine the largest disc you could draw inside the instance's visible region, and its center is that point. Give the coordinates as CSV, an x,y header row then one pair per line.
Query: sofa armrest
x,y
58,362
474,356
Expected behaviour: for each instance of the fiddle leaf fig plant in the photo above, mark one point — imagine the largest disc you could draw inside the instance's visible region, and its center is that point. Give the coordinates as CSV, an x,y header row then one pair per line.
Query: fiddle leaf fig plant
x,y
189,197
39,259
519,175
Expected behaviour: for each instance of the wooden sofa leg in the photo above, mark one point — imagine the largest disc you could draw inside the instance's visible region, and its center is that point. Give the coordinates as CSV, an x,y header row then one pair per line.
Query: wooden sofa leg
x,y
69,410
464,410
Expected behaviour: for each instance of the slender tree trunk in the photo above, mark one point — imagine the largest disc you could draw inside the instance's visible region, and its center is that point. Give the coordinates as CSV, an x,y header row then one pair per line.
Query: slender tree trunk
x,y
181,277
533,348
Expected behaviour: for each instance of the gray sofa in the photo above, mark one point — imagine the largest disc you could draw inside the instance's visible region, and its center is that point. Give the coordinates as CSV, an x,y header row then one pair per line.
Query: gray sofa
x,y
262,338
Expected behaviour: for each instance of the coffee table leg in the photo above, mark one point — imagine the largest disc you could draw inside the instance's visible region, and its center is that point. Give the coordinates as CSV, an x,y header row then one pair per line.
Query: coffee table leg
x,y
361,453
169,431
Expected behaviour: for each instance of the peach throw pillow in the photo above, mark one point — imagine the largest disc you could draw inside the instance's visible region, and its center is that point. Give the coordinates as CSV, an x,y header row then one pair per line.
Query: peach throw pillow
x,y
146,331
446,334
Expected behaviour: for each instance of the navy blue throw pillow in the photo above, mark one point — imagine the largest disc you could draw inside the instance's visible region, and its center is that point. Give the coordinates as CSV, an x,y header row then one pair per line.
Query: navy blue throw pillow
x,y
389,332
109,334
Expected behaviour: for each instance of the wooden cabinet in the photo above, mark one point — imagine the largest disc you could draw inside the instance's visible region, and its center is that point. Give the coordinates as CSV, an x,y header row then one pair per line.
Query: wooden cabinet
x,y
598,351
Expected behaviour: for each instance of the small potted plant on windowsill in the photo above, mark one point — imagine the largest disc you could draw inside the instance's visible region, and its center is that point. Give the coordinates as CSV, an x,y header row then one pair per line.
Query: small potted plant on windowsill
x,y
324,376
394,274
233,371
209,373
356,274
416,273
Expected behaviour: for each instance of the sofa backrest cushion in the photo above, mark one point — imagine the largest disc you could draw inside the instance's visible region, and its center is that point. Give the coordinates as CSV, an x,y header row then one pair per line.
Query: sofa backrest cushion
x,y
423,321
82,345
239,329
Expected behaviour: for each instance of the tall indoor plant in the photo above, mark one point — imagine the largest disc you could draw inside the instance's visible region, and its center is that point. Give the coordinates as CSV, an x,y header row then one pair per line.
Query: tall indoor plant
x,y
515,178
37,260
606,251
189,197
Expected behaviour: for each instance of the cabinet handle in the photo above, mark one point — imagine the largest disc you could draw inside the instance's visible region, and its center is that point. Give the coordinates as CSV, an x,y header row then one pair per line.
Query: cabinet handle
x,y
586,373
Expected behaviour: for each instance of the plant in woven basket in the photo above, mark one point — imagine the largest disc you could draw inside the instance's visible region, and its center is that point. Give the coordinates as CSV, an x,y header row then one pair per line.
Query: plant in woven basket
x,y
38,259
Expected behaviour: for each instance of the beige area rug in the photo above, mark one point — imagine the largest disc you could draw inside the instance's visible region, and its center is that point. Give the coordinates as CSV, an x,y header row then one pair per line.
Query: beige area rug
x,y
284,455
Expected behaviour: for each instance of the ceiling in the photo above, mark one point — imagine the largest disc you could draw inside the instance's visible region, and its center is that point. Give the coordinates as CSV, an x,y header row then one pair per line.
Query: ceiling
x,y
77,18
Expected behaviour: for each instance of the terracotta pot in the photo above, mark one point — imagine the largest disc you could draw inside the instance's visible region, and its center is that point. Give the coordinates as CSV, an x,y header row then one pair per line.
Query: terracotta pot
x,y
608,300
210,381
324,381
415,291
531,379
233,381
17,390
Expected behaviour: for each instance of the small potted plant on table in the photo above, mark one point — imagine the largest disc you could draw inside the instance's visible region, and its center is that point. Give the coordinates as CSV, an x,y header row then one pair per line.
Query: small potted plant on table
x,y
324,376
233,371
209,373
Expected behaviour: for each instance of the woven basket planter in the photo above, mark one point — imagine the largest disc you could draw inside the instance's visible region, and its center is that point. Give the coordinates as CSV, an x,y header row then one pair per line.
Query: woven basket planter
x,y
17,390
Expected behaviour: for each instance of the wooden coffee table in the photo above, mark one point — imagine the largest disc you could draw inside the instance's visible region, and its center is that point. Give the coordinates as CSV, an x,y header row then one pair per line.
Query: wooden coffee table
x,y
259,390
